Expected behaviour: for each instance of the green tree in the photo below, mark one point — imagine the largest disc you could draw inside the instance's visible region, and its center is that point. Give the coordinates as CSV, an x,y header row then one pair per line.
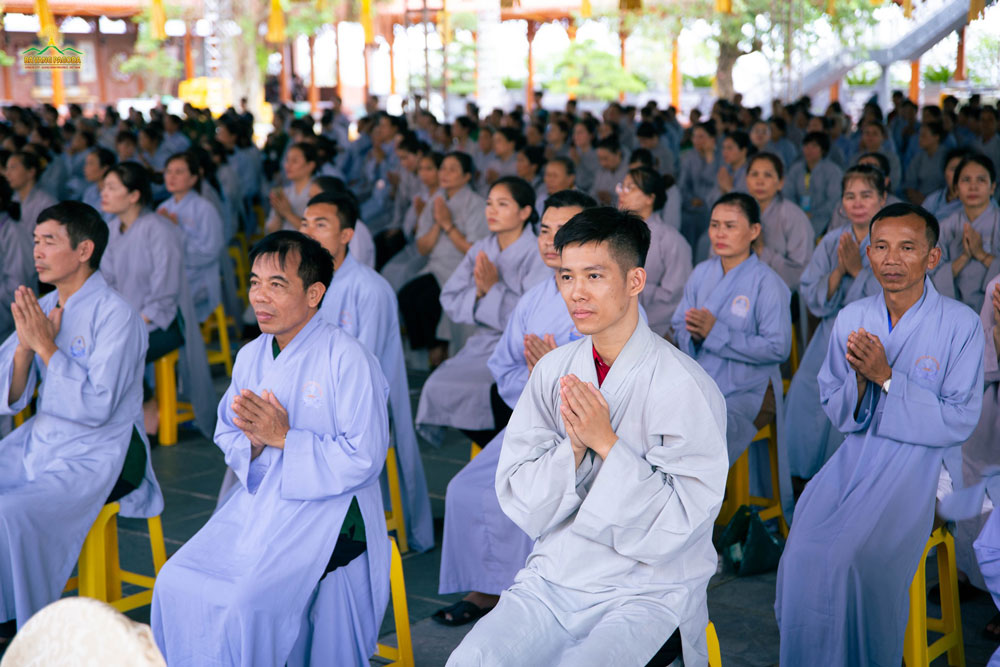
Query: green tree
x,y
150,61
588,72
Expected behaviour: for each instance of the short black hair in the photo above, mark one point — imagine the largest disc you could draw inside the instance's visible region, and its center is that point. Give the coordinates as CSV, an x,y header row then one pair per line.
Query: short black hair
x,y
315,261
903,209
820,139
747,204
569,198
329,184
346,203
567,164
82,223
883,161
626,234
135,178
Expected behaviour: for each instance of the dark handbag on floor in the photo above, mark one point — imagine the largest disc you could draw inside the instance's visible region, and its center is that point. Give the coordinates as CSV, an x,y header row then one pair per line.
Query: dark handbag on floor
x,y
748,546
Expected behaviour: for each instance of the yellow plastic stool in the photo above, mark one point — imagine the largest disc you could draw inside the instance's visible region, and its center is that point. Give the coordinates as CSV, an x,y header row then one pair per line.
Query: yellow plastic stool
x,y
224,353
240,269
99,571
916,651
474,451
402,653
172,411
738,484
394,520
714,652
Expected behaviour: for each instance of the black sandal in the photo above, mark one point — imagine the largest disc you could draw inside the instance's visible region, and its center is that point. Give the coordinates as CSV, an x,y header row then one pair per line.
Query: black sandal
x,y
461,612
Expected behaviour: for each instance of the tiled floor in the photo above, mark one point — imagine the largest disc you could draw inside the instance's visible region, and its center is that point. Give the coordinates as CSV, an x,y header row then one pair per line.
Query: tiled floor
x,y
741,608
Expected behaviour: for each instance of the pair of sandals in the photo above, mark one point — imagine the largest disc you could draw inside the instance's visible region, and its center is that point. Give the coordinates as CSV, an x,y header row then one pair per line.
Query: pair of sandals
x,y
460,613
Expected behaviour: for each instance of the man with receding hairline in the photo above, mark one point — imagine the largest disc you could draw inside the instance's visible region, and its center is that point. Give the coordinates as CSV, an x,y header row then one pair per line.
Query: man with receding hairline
x,y
614,461
903,378
293,567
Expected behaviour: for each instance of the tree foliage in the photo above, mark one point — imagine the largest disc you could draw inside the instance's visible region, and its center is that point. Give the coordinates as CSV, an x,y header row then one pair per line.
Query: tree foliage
x,y
150,61
588,72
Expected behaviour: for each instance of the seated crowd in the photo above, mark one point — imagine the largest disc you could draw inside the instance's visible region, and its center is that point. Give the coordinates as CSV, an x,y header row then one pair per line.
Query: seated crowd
x,y
611,309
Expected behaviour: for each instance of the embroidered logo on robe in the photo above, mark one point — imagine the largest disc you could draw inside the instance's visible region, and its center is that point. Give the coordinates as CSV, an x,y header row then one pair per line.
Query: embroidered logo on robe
x,y
78,348
312,394
345,318
740,306
927,368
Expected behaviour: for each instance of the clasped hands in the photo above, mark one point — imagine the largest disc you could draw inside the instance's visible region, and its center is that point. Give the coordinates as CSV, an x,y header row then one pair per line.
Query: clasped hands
x,y
535,348
586,417
485,274
849,255
866,355
262,419
972,245
699,322
36,331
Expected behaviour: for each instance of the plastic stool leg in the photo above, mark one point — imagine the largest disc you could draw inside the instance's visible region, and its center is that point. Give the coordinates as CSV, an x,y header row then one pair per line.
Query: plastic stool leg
x,y
156,544
397,521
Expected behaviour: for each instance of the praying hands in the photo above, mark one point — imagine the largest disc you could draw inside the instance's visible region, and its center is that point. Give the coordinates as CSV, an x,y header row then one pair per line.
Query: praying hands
x,y
261,418
535,348
866,356
36,331
586,417
699,322
485,274
849,255
972,245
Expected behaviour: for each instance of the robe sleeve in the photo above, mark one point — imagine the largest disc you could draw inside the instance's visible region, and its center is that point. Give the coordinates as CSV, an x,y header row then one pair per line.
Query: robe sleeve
x,y
203,234
88,395
990,354
164,294
507,363
676,257
231,440
7,376
950,243
379,311
838,385
472,219
321,465
829,198
813,285
799,241
681,335
537,480
458,295
648,506
773,338
919,415
495,308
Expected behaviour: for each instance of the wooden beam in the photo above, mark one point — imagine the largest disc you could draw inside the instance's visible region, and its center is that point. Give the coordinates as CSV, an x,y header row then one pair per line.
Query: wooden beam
x,y
285,93
960,73
571,31
392,61
188,52
336,48
102,82
529,87
915,81
313,90
835,92
622,36
8,87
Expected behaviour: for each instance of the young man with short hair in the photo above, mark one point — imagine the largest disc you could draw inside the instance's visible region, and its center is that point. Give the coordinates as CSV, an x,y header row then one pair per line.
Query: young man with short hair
x,y
83,347
614,462
293,568
903,378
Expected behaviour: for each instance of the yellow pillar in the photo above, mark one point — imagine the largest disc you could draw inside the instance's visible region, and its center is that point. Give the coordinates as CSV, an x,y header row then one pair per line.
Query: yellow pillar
x,y
915,81
675,75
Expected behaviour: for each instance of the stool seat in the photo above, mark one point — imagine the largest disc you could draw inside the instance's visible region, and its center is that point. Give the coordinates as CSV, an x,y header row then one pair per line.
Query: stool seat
x,y
917,652
474,451
99,572
394,519
400,655
738,484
